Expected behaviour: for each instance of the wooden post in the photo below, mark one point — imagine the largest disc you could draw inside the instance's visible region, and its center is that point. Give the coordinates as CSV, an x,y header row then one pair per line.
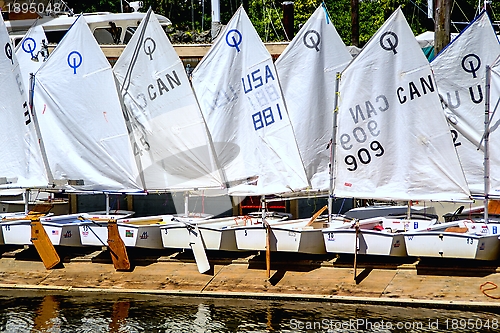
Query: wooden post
x,y
288,19
356,249
442,25
268,248
355,22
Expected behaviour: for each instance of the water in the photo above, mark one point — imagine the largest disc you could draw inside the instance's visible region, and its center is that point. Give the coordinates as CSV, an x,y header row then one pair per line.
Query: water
x,y
29,311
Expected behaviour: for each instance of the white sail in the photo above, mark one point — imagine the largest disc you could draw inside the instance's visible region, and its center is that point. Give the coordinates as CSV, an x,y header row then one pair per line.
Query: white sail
x,y
494,124
80,118
169,135
393,141
31,52
239,94
22,165
306,71
460,71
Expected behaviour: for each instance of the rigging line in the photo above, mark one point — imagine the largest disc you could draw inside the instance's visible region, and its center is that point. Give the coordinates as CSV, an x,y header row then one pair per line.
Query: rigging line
x,y
453,23
461,10
419,8
135,55
493,16
281,22
264,14
269,14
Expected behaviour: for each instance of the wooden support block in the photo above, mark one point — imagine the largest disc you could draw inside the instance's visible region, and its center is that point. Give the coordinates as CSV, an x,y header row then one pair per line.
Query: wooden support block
x,y
43,245
117,248
494,207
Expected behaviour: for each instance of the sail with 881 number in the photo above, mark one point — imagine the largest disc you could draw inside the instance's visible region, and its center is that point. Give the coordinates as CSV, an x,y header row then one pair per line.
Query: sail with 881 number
x,y
393,141
239,94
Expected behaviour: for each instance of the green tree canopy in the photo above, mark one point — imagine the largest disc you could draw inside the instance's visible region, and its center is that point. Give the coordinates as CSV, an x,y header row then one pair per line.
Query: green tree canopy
x,y
267,15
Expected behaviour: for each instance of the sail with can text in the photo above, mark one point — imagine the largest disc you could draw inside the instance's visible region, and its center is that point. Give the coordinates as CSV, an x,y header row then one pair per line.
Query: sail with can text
x,y
393,140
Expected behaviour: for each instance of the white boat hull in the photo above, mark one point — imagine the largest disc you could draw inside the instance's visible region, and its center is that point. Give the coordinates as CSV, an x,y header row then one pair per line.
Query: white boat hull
x,y
68,229
437,244
141,232
214,239
283,239
19,233
217,234
369,242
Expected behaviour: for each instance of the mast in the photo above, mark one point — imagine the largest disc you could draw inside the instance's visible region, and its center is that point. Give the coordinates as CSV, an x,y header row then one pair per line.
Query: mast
x,y
486,142
333,144
288,19
38,131
26,196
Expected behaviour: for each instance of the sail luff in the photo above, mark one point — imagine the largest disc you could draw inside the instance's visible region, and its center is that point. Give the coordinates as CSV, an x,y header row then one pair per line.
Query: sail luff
x,y
487,142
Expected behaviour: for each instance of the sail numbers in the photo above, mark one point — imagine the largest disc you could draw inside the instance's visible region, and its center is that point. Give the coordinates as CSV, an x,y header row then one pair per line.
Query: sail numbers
x,y
361,135
261,90
364,155
266,117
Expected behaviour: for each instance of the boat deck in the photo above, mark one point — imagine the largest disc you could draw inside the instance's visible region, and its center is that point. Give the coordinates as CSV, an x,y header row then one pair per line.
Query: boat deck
x,y
392,281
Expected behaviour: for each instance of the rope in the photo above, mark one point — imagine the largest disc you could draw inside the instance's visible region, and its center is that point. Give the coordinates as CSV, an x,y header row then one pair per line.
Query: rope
x,y
483,290
281,22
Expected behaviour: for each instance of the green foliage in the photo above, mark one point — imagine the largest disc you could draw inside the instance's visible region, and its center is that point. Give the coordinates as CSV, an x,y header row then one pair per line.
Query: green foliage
x,y
266,15
95,6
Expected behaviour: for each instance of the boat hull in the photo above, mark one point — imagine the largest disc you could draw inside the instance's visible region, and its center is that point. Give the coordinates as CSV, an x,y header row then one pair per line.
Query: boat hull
x,y
140,232
370,242
143,236
283,239
178,237
443,244
217,234
19,232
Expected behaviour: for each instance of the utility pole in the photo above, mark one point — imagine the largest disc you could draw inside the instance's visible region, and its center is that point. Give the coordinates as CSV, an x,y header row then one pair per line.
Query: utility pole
x,y
355,22
442,31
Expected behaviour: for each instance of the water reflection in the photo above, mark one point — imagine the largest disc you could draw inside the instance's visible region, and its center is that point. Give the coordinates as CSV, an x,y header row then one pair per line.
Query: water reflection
x,y
24,311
